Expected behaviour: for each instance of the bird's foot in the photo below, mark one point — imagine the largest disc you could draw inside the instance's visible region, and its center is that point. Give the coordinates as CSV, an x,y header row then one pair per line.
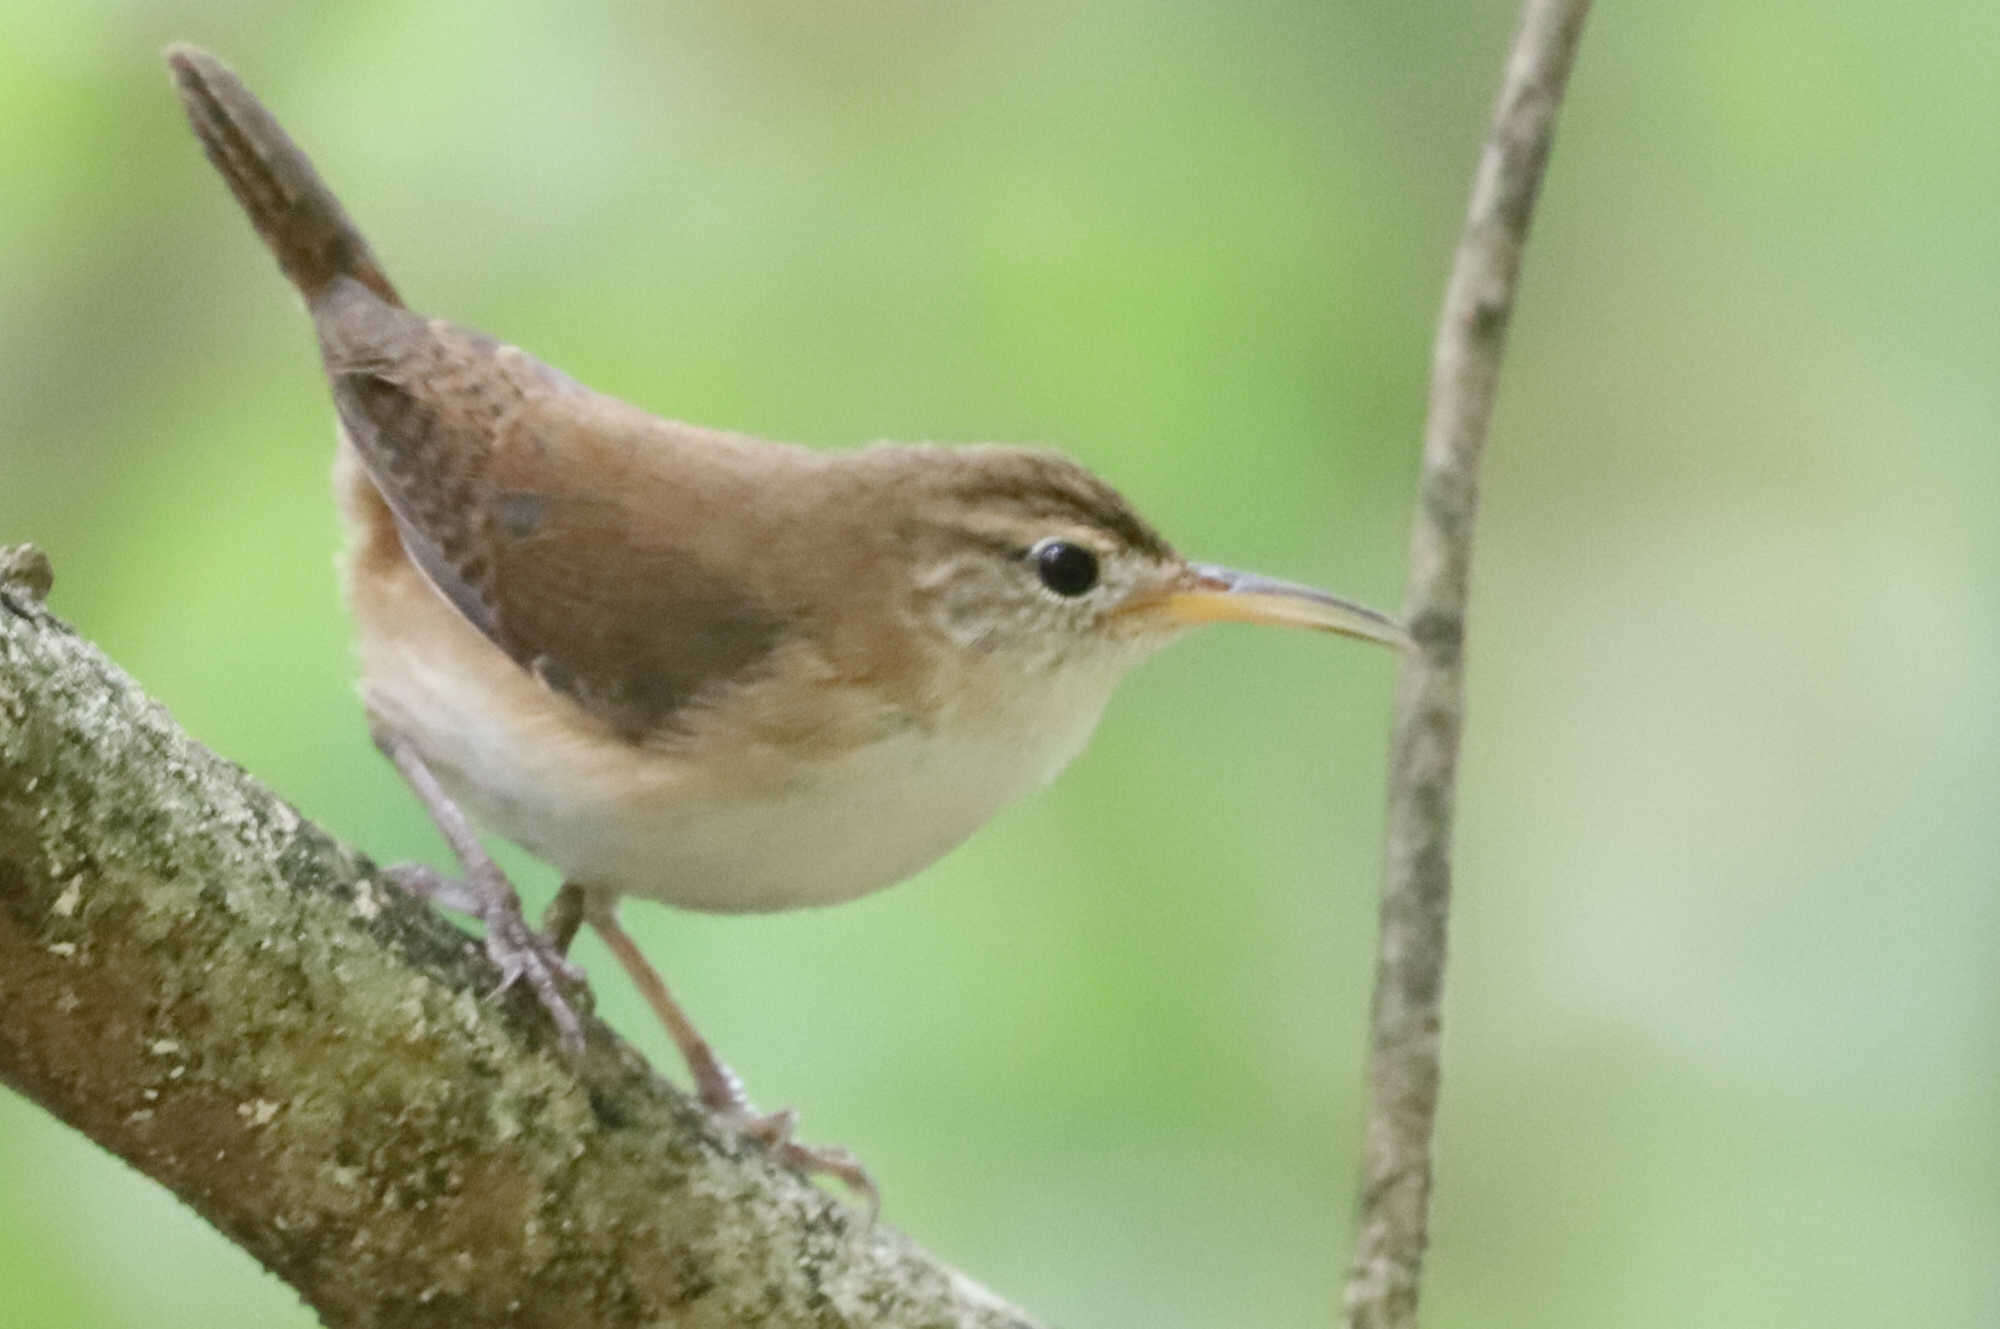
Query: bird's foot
x,y
718,1088
516,949
774,1130
721,1091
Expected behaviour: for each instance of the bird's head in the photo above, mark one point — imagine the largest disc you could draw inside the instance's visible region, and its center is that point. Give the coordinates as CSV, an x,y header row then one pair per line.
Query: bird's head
x,y
1024,554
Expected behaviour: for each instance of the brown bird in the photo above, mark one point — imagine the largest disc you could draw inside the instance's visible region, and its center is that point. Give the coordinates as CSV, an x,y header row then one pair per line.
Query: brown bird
x,y
689,665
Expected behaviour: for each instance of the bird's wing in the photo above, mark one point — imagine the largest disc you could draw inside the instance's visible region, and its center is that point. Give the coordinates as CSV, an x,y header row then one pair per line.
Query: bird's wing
x,y
543,512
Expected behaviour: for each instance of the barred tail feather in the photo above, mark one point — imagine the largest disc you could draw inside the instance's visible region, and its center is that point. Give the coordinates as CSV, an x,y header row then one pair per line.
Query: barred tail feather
x,y
291,207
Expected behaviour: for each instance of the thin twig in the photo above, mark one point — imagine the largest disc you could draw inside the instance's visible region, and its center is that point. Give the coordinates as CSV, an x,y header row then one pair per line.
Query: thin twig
x,y
1416,894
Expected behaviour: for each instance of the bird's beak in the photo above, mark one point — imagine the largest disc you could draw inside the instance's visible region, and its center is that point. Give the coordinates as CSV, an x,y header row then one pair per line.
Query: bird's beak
x,y
1208,594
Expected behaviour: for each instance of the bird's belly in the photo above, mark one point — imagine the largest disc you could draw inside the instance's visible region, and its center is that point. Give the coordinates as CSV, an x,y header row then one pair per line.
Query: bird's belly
x,y
839,829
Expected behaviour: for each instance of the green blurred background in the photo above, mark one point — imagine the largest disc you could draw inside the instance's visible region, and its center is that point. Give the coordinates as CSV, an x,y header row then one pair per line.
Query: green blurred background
x,y
1723,1043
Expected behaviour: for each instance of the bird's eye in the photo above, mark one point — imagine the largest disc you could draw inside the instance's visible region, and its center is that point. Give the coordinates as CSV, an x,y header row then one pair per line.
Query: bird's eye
x,y
1066,569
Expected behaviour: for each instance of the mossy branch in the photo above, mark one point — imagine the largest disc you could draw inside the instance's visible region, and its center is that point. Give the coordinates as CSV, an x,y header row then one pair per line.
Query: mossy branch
x,y
228,999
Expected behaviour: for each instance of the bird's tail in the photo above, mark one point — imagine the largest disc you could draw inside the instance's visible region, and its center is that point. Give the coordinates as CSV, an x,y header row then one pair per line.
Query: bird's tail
x,y
289,204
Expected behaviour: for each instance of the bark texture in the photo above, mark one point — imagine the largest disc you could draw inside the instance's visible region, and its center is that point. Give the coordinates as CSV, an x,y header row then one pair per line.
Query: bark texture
x,y
225,997
1403,1071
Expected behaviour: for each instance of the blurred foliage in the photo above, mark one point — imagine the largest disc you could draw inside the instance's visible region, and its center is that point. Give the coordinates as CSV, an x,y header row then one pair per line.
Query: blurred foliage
x,y
1723,1039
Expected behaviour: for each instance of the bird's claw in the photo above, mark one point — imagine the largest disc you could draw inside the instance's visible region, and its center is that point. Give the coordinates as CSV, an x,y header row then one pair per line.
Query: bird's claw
x,y
523,954
516,949
773,1130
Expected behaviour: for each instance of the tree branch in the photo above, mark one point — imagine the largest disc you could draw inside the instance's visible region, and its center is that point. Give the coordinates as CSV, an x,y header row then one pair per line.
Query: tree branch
x,y
1403,1069
223,996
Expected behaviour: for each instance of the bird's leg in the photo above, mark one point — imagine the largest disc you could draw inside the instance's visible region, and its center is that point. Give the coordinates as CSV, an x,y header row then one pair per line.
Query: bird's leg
x,y
563,917
484,892
718,1087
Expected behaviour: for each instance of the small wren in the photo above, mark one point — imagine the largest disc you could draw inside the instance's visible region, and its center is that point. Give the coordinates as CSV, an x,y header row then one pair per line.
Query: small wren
x,y
694,666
